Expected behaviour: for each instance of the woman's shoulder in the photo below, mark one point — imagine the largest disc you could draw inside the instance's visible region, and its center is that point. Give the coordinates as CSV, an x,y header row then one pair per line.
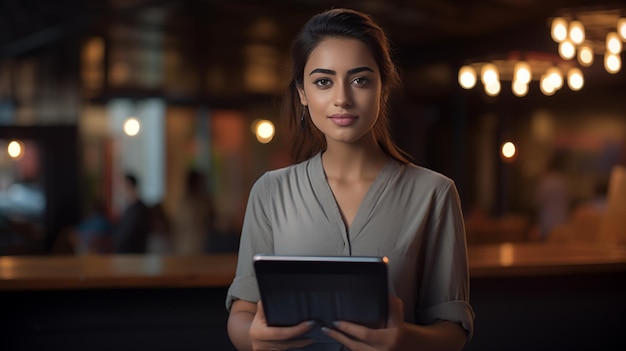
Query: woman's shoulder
x,y
427,176
276,176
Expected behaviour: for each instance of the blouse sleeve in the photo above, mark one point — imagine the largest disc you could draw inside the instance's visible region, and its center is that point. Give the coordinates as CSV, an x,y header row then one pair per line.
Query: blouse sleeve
x,y
444,290
256,237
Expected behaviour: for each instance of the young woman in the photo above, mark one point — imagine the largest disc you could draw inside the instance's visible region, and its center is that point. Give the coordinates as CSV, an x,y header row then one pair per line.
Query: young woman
x,y
352,192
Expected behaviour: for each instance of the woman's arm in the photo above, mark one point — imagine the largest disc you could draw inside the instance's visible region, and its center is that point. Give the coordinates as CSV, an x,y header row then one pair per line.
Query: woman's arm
x,y
248,330
239,321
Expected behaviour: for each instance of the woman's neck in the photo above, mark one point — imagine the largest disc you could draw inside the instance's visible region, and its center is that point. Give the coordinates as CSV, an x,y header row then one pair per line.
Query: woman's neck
x,y
353,162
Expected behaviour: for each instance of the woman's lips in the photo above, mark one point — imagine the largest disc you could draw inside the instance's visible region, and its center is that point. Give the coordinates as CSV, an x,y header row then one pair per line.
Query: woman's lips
x,y
343,119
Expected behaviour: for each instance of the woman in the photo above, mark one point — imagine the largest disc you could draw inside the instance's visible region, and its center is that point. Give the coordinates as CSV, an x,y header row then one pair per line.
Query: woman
x,y
353,192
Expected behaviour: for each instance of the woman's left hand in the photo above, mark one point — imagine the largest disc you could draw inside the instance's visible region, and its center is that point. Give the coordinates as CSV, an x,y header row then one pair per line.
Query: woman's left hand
x,y
359,338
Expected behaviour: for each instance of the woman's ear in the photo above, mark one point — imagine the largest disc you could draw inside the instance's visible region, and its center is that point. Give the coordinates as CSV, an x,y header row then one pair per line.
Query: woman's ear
x,y
302,95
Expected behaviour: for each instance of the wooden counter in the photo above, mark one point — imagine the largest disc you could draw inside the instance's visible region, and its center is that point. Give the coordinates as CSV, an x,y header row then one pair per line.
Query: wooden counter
x,y
538,259
525,296
145,271
115,271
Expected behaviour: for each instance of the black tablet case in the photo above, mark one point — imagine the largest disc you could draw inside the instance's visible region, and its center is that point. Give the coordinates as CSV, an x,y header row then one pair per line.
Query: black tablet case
x,y
323,289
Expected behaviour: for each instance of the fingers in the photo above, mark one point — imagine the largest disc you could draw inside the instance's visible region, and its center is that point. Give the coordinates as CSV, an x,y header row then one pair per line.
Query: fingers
x,y
260,331
396,311
354,330
345,340
358,337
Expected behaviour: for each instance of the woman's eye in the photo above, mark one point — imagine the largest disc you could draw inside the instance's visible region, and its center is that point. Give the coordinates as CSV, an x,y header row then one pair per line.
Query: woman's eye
x,y
360,81
322,82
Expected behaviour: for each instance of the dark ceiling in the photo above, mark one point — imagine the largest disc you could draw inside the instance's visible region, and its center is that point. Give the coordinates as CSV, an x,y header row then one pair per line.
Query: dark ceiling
x,y
426,33
27,24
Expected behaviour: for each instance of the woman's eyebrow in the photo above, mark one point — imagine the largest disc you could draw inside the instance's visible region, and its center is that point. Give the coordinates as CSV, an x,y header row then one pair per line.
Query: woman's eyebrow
x,y
350,71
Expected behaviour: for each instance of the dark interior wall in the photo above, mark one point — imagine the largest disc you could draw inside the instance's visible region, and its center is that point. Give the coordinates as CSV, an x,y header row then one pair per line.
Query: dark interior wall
x,y
59,172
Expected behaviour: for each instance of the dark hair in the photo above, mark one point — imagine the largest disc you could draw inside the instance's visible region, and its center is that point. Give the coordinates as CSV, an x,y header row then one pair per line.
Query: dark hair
x,y
131,179
338,23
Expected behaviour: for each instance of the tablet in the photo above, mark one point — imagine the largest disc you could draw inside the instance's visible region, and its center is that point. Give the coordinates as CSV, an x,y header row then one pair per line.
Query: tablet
x,y
324,289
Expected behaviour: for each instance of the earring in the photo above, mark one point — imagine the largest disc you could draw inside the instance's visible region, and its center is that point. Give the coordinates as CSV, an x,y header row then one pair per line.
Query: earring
x,y
302,117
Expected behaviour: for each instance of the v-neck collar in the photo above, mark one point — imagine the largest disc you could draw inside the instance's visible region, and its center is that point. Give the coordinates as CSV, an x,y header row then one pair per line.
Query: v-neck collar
x,y
331,208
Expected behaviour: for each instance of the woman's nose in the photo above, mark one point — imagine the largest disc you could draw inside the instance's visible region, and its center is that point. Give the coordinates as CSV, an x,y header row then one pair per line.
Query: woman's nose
x,y
343,95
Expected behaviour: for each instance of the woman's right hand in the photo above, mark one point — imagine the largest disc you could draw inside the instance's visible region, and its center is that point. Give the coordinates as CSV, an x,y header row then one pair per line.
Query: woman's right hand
x,y
264,337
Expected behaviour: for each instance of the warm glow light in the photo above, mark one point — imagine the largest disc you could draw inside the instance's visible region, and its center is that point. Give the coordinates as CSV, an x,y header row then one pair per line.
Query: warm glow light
x,y
613,43
264,131
508,150
132,126
546,86
585,55
575,79
559,29
507,256
612,63
555,76
522,72
567,50
489,74
577,32
519,88
467,77
621,28
493,89
15,149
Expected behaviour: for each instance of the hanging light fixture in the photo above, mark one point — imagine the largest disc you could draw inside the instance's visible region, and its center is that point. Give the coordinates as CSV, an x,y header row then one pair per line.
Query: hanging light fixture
x,y
585,33
467,77
520,68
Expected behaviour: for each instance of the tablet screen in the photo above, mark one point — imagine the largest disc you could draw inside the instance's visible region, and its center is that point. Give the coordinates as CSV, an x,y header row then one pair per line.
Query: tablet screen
x,y
323,288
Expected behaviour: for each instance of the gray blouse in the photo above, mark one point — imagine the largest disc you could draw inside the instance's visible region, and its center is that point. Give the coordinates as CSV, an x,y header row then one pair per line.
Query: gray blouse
x,y
410,214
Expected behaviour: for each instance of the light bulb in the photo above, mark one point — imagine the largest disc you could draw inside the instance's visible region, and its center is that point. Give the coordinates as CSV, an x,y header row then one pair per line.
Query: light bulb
x,y
575,79
585,55
519,88
567,49
493,88
559,29
132,126
555,76
577,32
612,63
621,28
522,72
546,86
613,43
467,77
489,74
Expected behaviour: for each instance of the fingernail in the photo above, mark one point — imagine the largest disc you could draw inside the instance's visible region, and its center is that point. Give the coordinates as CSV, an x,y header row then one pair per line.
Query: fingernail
x,y
335,324
325,330
310,323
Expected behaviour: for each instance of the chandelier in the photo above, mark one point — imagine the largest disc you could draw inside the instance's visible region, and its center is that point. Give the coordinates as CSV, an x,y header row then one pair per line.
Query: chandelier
x,y
586,33
520,69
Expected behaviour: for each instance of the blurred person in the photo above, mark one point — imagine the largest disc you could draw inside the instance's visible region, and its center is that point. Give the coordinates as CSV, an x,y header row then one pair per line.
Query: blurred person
x,y
193,220
353,192
552,199
93,233
159,240
132,230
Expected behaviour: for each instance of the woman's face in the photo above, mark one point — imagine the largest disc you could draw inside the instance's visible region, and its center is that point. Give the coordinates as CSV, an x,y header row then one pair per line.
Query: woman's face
x,y
342,88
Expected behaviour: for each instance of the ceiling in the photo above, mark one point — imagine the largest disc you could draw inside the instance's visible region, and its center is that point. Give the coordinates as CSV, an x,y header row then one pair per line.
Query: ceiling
x,y
424,32
27,24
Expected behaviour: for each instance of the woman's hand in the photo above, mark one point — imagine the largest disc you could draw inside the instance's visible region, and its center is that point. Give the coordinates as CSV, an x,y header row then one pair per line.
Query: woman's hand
x,y
359,338
264,337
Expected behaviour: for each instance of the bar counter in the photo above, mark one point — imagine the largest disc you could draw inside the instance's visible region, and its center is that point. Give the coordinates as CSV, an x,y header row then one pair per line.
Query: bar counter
x,y
526,296
115,271
145,271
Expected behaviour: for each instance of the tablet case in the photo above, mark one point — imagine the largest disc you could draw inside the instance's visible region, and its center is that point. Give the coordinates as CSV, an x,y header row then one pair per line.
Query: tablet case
x,y
324,289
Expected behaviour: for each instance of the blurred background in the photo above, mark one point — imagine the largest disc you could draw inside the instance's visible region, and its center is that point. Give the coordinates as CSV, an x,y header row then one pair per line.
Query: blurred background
x,y
93,90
